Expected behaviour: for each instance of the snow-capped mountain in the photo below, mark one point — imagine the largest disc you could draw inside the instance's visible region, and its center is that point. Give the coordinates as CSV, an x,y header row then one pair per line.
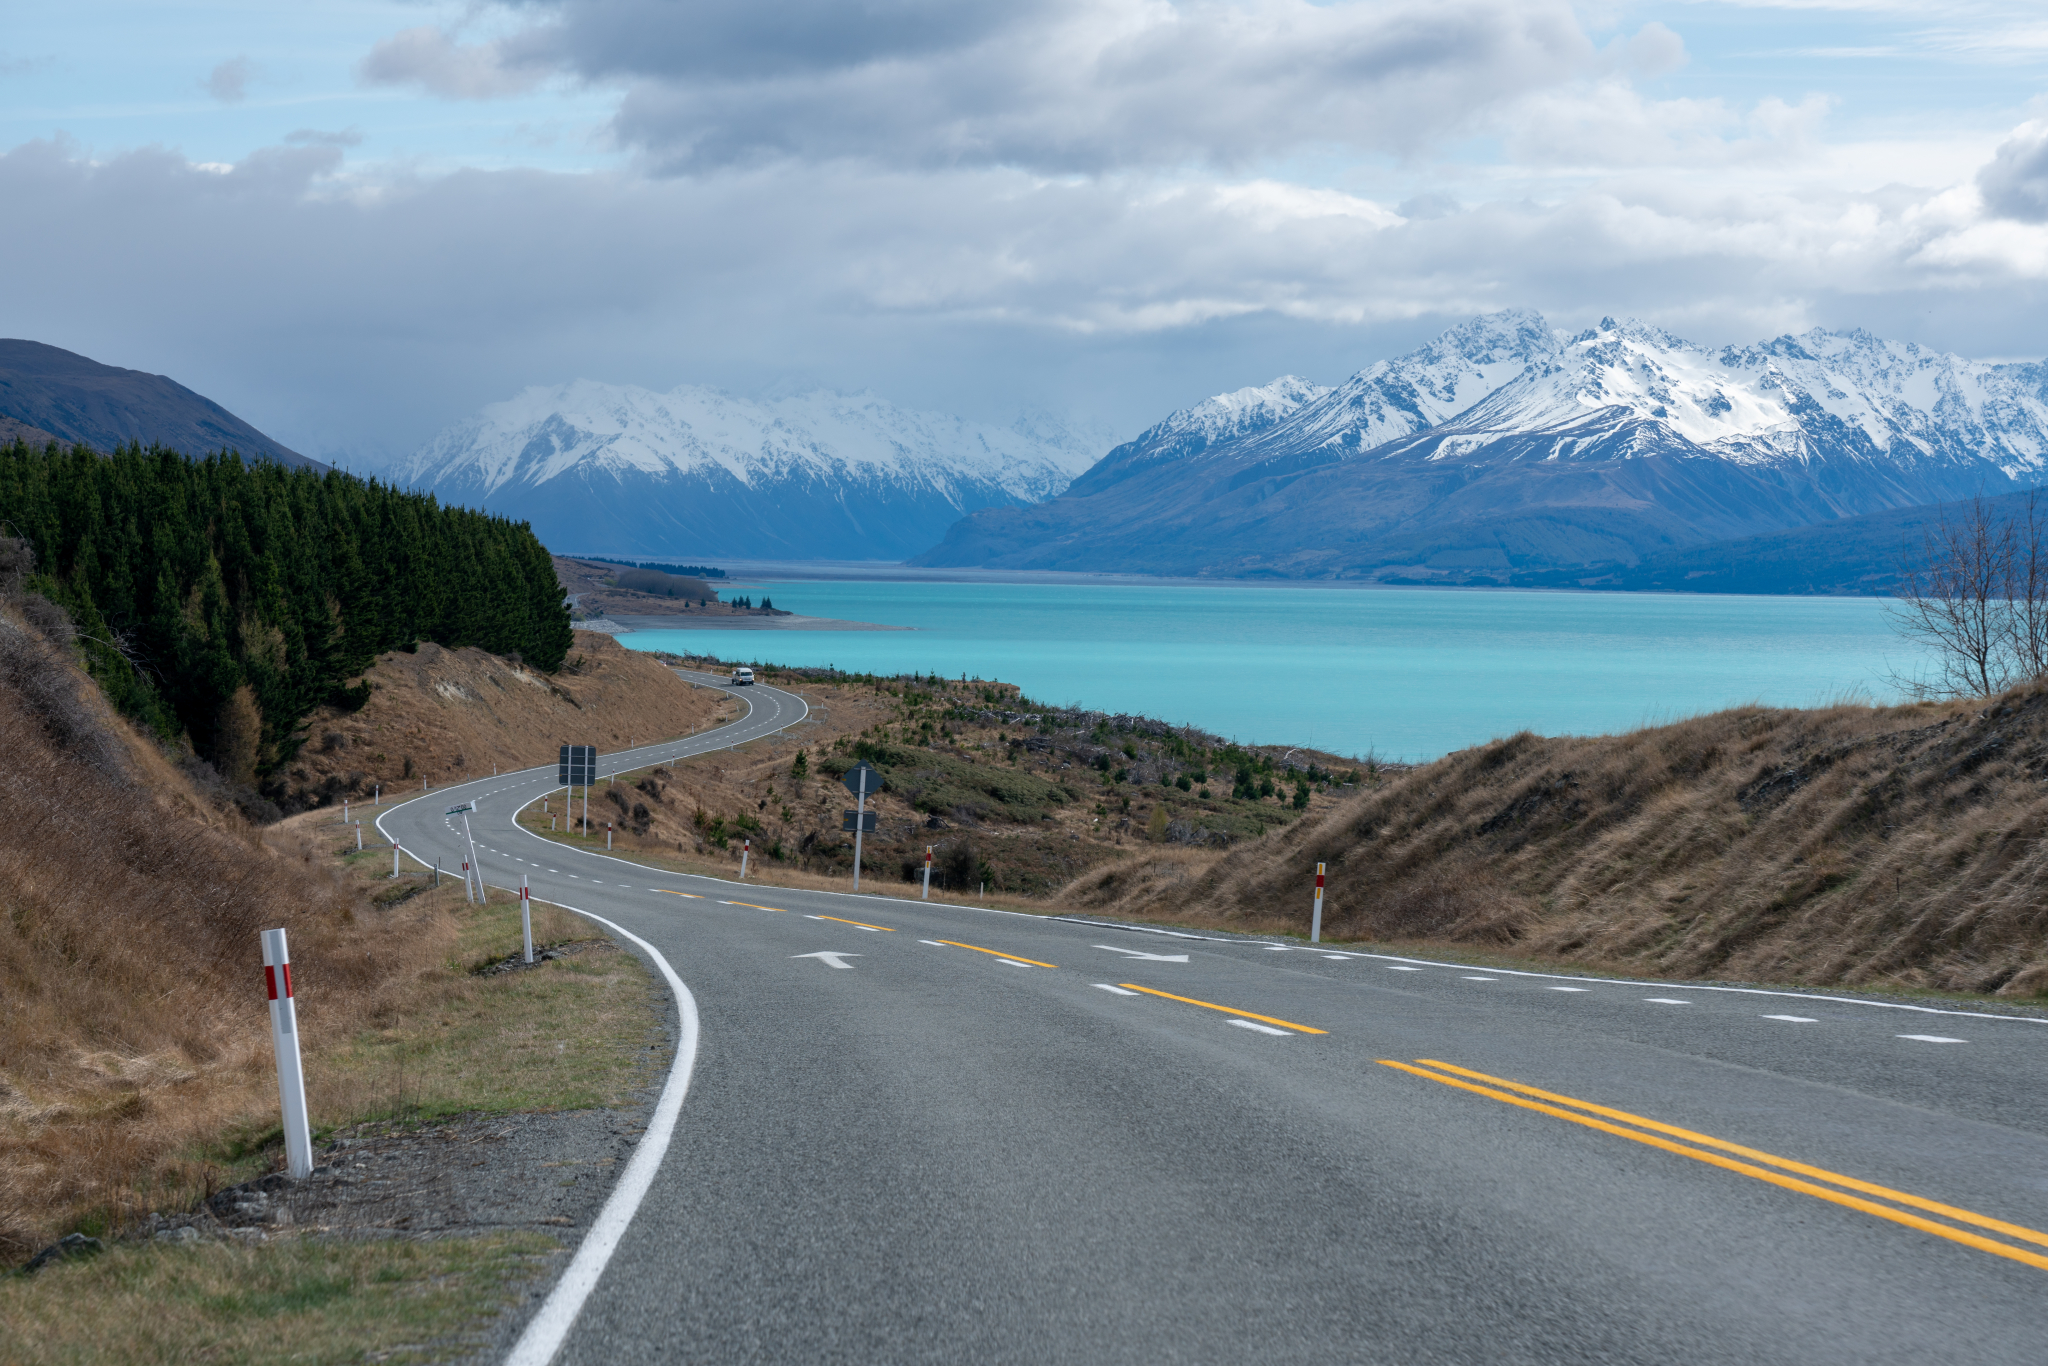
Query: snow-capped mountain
x,y
1505,444
606,467
1187,433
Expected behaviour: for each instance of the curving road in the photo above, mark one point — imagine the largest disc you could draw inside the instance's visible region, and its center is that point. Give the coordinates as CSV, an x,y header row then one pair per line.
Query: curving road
x,y
936,1133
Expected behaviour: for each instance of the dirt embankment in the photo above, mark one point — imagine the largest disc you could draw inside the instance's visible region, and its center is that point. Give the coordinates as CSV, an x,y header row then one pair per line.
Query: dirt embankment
x,y
1886,846
448,715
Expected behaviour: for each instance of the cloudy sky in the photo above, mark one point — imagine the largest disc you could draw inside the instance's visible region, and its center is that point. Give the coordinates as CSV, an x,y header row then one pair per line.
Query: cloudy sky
x,y
356,221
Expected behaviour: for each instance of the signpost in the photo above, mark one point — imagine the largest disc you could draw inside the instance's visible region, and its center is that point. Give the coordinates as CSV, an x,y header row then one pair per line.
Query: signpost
x,y
578,766
860,780
471,866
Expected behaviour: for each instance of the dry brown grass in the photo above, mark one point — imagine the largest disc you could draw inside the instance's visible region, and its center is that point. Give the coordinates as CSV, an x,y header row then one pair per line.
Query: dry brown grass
x,y
1893,846
135,1067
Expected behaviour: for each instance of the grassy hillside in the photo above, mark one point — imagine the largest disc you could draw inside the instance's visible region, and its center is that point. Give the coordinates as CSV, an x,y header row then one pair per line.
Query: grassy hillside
x,y
1901,846
135,1063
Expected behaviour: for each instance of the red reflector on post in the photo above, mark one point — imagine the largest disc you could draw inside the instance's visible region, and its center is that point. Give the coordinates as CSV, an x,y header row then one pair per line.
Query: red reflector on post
x,y
270,980
287,971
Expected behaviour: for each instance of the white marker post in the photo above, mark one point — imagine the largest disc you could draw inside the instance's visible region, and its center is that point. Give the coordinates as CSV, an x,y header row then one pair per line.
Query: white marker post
x,y
359,837
927,874
607,835
472,855
284,1040
344,811
746,852
526,916
394,858
1315,926
376,794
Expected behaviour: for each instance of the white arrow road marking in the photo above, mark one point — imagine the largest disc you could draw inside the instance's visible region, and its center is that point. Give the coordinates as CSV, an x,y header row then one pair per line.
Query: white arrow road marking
x,y
1148,957
1263,1029
1104,986
831,959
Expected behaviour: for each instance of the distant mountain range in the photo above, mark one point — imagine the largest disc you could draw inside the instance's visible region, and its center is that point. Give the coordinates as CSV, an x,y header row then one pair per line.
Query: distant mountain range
x,y
49,392
1506,448
627,471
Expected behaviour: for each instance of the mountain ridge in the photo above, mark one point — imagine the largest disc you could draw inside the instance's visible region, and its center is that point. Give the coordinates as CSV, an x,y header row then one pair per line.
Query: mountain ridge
x,y
694,470
1505,446
80,400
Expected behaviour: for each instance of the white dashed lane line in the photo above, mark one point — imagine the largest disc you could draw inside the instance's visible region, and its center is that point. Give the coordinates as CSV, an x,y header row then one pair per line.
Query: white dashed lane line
x,y
1482,979
1931,1038
1099,986
1793,1019
1396,967
1666,1001
1263,1029
1568,988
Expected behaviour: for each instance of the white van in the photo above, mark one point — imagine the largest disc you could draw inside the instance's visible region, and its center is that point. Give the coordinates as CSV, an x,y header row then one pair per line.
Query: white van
x,y
742,678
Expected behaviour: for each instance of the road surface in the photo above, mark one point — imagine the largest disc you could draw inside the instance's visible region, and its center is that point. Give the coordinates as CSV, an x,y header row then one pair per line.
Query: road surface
x,y
938,1133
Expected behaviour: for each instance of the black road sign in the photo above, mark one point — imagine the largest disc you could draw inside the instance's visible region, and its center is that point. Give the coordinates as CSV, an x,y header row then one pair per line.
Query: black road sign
x,y
866,819
578,766
863,771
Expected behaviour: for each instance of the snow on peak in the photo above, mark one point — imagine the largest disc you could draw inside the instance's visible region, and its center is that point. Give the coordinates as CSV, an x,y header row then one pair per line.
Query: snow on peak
x,y
1238,411
545,431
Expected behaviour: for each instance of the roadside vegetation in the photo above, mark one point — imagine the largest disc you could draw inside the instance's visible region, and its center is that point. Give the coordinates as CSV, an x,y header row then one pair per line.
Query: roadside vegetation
x,y
136,1075
302,1300
1014,798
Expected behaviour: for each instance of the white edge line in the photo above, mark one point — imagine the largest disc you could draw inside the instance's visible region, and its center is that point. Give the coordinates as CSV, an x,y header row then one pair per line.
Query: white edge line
x,y
550,1325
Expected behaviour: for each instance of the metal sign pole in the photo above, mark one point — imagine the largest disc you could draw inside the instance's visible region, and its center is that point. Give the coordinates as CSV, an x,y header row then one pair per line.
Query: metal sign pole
x,y
472,858
860,806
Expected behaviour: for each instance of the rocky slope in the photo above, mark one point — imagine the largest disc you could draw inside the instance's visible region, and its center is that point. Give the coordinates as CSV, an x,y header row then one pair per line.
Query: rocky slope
x,y
1506,446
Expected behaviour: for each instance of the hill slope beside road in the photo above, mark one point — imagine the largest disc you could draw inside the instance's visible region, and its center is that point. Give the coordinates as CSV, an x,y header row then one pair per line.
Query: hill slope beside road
x,y
447,715
1871,846
78,399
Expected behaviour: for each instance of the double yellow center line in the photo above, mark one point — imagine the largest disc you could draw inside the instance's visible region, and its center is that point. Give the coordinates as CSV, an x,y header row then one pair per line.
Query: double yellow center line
x,y
1749,1162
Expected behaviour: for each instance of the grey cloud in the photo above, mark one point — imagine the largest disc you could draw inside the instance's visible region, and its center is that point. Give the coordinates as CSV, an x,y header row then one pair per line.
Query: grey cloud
x,y
2015,182
1055,86
229,82
344,320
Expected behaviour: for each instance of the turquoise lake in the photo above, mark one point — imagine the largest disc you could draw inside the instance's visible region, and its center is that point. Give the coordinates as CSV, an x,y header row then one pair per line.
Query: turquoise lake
x,y
1401,673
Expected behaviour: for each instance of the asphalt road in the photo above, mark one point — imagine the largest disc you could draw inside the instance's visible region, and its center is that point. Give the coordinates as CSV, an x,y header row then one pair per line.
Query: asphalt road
x,y
937,1133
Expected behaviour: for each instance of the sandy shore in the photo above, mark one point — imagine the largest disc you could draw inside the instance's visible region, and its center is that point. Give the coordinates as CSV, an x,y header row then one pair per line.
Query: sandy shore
x,y
708,622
